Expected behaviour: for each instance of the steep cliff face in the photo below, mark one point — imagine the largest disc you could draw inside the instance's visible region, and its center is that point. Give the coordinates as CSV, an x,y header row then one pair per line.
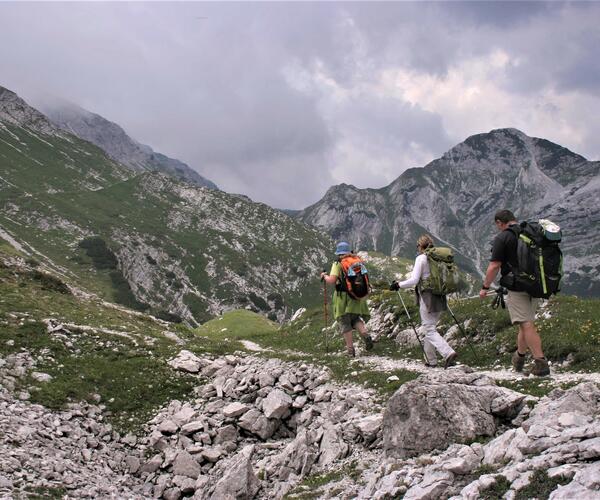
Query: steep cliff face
x,y
455,197
118,145
146,239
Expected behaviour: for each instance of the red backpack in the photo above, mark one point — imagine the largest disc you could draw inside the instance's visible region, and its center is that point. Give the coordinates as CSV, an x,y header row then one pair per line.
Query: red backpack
x,y
354,279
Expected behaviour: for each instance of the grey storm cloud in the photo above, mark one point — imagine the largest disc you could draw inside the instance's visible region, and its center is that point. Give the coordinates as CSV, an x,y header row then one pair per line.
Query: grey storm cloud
x,y
209,83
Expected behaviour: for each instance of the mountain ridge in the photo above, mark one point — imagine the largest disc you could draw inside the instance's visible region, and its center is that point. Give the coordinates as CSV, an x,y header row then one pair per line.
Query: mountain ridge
x,y
455,197
113,139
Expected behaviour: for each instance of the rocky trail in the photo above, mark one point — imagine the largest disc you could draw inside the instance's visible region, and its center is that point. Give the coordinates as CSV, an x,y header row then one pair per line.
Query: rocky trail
x,y
557,377
257,425
261,428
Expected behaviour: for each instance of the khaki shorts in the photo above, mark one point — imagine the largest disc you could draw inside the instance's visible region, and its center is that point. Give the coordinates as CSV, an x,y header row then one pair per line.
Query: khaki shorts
x,y
347,322
521,307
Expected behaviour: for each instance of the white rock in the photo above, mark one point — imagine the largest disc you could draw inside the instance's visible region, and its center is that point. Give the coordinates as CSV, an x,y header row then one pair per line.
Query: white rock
x,y
212,454
41,377
192,427
186,465
235,410
168,427
369,426
277,404
184,415
186,361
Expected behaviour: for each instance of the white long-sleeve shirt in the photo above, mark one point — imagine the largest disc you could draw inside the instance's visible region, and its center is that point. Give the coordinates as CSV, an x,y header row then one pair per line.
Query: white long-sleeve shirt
x,y
420,271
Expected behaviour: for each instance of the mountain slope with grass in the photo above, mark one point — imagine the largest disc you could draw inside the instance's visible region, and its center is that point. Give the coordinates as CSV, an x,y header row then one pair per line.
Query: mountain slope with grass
x,y
112,139
146,240
454,198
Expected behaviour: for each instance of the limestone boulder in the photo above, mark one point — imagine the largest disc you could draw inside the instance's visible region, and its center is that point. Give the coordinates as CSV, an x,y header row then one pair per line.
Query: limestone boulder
x,y
563,409
277,404
187,361
257,423
442,408
238,481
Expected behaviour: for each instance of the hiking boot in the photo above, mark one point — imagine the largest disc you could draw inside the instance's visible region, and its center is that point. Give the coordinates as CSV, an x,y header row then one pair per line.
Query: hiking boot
x,y
430,365
450,360
368,342
350,352
540,367
518,361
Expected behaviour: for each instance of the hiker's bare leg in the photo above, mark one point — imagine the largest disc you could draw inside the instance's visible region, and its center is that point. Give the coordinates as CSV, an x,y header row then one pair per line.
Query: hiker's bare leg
x,y
348,339
361,328
529,339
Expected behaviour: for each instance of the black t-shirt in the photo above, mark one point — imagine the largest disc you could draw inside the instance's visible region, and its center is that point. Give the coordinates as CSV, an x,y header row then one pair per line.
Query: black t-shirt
x,y
504,249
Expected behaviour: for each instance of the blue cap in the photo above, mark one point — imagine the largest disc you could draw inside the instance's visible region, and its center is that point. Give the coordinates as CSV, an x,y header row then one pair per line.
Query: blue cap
x,y
342,248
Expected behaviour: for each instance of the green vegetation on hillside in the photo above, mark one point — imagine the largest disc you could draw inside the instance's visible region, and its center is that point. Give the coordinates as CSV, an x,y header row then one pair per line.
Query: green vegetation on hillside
x,y
223,249
116,354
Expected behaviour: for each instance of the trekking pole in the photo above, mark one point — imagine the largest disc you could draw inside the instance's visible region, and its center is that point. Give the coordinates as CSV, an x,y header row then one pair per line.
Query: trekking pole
x,y
489,293
412,324
325,311
499,299
464,334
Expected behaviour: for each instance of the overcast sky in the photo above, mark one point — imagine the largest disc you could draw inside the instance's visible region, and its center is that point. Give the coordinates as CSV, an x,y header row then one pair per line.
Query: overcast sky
x,y
281,100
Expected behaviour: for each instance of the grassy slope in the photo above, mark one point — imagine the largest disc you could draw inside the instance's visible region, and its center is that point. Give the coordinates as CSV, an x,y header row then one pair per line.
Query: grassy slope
x,y
128,371
48,179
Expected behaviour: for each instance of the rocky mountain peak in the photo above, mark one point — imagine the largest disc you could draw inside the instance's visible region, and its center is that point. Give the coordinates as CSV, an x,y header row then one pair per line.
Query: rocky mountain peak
x,y
15,111
455,197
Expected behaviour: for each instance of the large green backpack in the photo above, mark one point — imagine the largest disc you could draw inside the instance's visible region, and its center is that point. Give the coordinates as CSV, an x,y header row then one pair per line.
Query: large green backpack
x,y
443,278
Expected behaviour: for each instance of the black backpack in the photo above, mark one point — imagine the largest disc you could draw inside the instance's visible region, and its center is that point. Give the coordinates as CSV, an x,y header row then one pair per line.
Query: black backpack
x,y
540,260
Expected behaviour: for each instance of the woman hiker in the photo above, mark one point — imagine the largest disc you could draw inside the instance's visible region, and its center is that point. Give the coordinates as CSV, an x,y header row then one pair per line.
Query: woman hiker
x,y
430,308
351,314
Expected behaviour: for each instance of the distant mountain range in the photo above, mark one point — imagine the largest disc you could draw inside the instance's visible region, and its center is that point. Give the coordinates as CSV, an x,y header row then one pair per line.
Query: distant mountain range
x,y
454,198
111,138
143,238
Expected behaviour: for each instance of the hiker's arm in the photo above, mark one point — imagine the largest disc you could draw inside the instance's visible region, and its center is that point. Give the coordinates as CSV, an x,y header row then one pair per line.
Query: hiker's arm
x,y
490,276
416,274
330,279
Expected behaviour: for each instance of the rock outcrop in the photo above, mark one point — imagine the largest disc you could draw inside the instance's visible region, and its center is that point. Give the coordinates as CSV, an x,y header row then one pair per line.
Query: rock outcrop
x,y
437,410
256,418
209,448
556,441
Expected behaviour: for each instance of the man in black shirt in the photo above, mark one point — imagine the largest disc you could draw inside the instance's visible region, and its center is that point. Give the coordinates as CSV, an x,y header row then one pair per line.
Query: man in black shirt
x,y
521,306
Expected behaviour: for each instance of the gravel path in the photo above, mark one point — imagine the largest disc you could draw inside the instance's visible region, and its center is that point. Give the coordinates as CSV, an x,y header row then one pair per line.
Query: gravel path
x,y
386,364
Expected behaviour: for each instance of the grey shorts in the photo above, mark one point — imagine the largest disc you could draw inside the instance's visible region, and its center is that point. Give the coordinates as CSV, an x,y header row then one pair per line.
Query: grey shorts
x,y
521,307
347,322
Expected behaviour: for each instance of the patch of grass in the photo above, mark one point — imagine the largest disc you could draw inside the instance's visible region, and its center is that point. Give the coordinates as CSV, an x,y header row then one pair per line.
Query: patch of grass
x,y
497,490
310,487
132,383
46,492
239,324
540,485
537,387
128,371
